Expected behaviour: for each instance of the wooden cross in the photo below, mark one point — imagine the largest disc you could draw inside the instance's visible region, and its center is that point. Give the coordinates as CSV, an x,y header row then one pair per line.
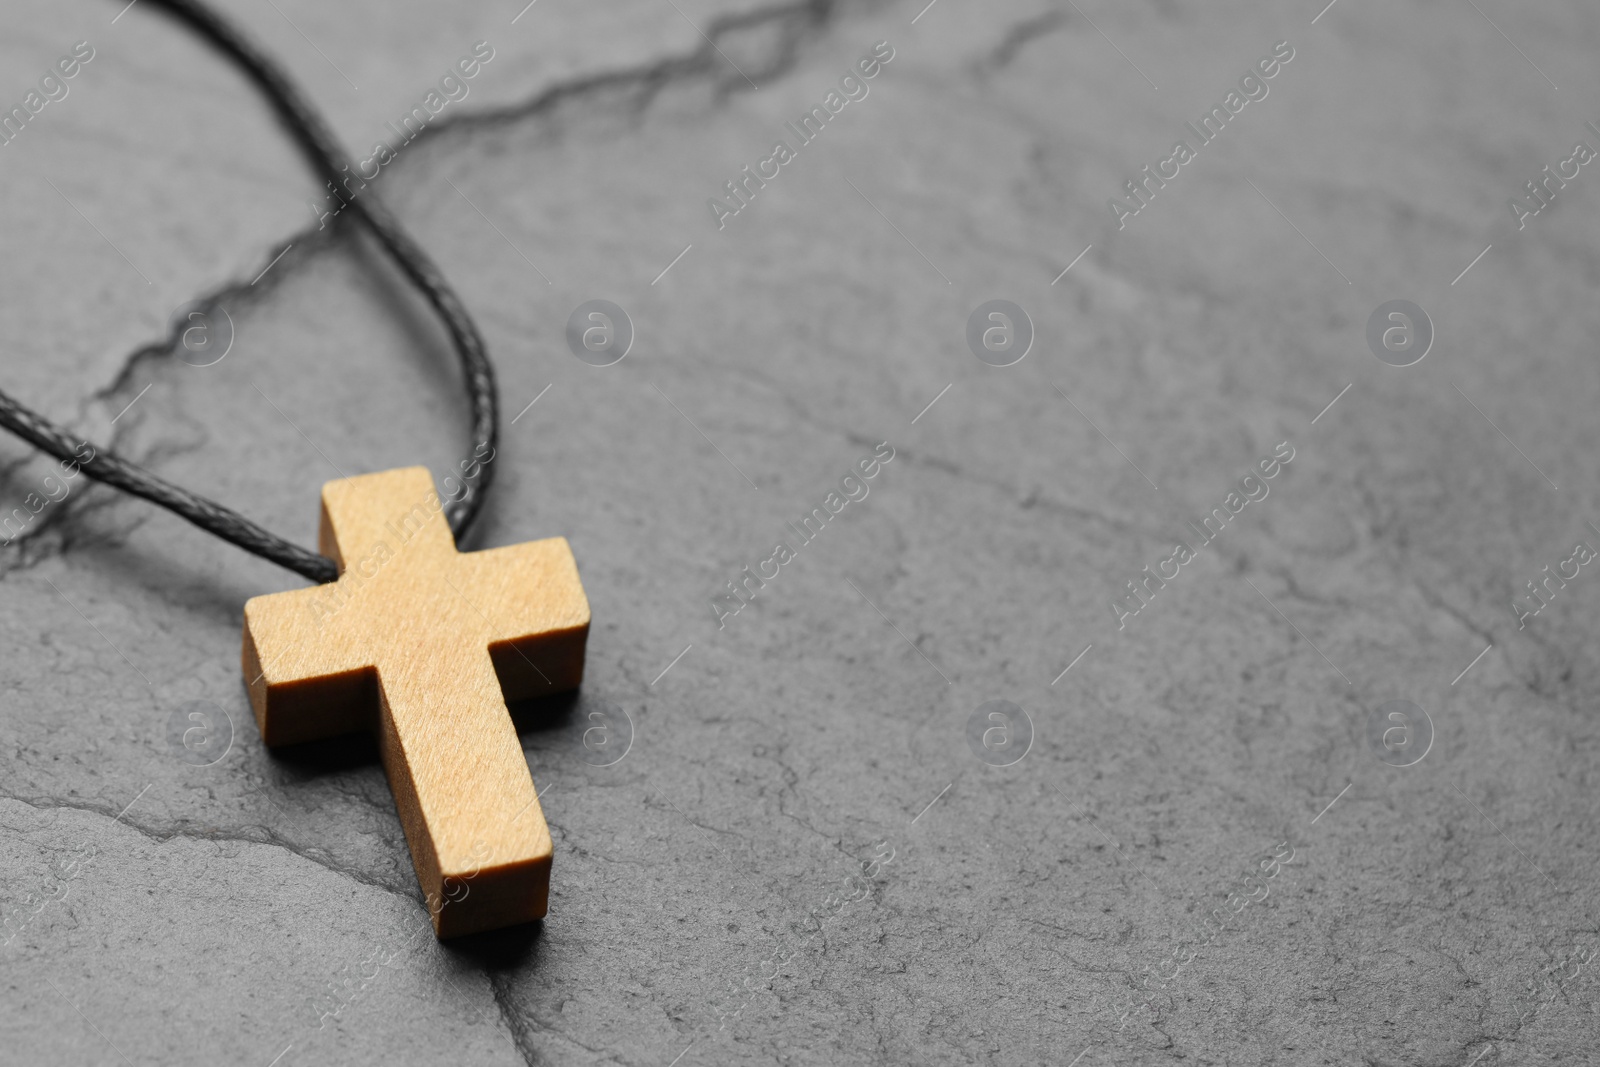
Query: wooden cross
x,y
424,645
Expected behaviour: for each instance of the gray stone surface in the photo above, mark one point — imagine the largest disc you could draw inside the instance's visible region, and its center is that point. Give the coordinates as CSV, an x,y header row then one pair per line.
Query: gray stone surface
x,y
161,911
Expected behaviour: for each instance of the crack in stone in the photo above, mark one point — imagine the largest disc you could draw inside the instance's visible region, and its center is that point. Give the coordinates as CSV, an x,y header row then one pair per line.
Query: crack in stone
x,y
1439,603
268,838
1020,35
1034,498
521,1036
794,21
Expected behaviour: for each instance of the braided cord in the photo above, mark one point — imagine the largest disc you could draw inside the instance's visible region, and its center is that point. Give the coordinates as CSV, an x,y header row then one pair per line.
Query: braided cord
x,y
322,150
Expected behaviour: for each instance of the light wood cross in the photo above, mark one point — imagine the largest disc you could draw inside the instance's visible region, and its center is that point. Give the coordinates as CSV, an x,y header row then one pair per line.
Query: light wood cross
x,y
424,645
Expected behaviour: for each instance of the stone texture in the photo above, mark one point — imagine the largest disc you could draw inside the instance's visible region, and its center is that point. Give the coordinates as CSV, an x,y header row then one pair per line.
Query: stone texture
x,y
219,913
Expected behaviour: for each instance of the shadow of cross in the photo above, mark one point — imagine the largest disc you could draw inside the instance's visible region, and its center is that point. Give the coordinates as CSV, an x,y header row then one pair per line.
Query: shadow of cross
x,y
425,645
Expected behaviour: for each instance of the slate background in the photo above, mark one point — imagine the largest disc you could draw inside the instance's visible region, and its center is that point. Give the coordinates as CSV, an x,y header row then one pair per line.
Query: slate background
x,y
1423,913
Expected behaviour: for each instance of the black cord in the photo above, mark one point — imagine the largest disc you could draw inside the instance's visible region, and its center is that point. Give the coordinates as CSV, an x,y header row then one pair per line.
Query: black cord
x,y
328,159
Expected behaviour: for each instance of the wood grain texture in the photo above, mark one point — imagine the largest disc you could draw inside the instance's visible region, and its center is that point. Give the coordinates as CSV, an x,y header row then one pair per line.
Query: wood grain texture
x,y
425,644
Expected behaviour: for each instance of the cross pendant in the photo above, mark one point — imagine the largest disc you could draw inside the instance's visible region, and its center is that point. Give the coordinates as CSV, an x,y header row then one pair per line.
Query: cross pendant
x,y
424,645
